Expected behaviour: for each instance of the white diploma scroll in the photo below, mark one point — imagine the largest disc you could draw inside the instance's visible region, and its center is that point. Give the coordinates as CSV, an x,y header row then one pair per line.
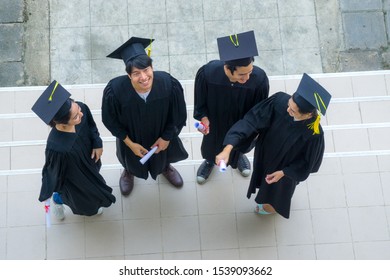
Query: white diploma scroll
x,y
148,155
222,166
47,212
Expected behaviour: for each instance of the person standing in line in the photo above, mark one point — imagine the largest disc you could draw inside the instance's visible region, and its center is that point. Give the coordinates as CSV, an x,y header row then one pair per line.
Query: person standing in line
x,y
72,156
144,109
290,144
225,90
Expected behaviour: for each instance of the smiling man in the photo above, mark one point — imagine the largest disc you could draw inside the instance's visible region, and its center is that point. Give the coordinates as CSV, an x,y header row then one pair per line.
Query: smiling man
x,y
144,109
225,90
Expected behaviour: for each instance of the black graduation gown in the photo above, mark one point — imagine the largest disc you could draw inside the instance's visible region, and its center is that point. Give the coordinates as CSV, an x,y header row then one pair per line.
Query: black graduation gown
x,y
224,103
164,114
70,171
283,144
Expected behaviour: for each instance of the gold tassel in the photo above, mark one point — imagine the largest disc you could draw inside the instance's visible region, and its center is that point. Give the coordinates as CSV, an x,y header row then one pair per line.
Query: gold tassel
x,y
315,126
149,49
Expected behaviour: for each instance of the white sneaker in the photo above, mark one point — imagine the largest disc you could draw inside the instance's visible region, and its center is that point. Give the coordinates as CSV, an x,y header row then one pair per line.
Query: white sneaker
x,y
59,211
100,211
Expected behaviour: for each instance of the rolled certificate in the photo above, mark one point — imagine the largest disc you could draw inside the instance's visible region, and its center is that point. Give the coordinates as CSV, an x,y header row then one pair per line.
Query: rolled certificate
x,y
47,212
200,126
222,166
148,155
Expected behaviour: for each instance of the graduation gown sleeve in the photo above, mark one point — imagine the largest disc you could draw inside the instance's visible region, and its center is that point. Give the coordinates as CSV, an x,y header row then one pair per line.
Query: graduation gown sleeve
x,y
200,109
111,111
257,119
53,173
94,132
310,161
178,112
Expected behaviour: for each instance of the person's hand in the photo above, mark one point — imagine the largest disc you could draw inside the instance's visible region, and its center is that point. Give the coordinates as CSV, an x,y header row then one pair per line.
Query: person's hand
x,y
97,154
224,155
274,177
162,145
206,122
138,150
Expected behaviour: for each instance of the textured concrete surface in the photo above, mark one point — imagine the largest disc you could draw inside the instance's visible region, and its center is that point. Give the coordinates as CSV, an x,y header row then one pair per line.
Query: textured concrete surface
x,y
68,40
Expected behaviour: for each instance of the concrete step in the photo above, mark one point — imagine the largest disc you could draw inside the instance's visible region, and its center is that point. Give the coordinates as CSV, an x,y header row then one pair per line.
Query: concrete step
x,y
357,122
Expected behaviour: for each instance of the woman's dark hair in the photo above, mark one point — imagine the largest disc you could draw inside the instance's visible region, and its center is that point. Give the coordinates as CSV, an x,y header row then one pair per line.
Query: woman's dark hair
x,y
233,64
141,62
304,106
63,114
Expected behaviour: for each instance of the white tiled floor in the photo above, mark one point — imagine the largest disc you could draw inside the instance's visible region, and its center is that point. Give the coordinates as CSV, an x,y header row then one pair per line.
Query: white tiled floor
x,y
342,212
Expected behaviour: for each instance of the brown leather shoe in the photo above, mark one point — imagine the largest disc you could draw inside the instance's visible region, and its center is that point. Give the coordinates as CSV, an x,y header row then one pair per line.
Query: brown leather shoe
x,y
126,183
173,176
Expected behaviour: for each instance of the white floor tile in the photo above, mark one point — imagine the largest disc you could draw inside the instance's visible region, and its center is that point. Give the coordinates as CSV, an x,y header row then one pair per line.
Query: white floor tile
x,y
337,251
363,189
372,250
192,255
369,224
215,197
227,254
218,231
66,241
104,239
297,252
142,236
24,209
3,243
331,226
144,257
26,243
296,230
180,234
263,253
326,191
3,210
178,202
255,230
143,202
363,164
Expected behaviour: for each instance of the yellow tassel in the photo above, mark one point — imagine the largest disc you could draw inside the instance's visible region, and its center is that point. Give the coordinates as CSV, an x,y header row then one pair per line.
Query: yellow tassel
x,y
315,126
149,49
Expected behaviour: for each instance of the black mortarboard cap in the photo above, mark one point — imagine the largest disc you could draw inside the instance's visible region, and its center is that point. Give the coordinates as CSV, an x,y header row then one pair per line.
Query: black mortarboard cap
x,y
53,101
237,46
133,47
311,93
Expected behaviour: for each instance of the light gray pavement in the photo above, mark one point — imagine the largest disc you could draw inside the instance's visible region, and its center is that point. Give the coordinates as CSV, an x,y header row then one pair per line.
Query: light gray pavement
x,y
68,40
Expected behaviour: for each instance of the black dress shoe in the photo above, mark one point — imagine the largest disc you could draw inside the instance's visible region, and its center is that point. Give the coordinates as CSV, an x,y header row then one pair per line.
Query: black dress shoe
x,y
126,183
173,176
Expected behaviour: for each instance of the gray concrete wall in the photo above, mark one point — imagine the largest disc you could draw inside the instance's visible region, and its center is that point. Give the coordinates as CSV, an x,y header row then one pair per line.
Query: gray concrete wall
x,y
43,40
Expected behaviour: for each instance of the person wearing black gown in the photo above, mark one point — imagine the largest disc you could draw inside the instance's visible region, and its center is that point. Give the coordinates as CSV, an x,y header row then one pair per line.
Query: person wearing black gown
x,y
224,91
144,109
72,156
290,144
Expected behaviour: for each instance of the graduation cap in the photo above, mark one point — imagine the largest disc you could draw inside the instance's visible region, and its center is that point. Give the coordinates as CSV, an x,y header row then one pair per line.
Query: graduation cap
x,y
310,95
132,48
237,46
53,101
